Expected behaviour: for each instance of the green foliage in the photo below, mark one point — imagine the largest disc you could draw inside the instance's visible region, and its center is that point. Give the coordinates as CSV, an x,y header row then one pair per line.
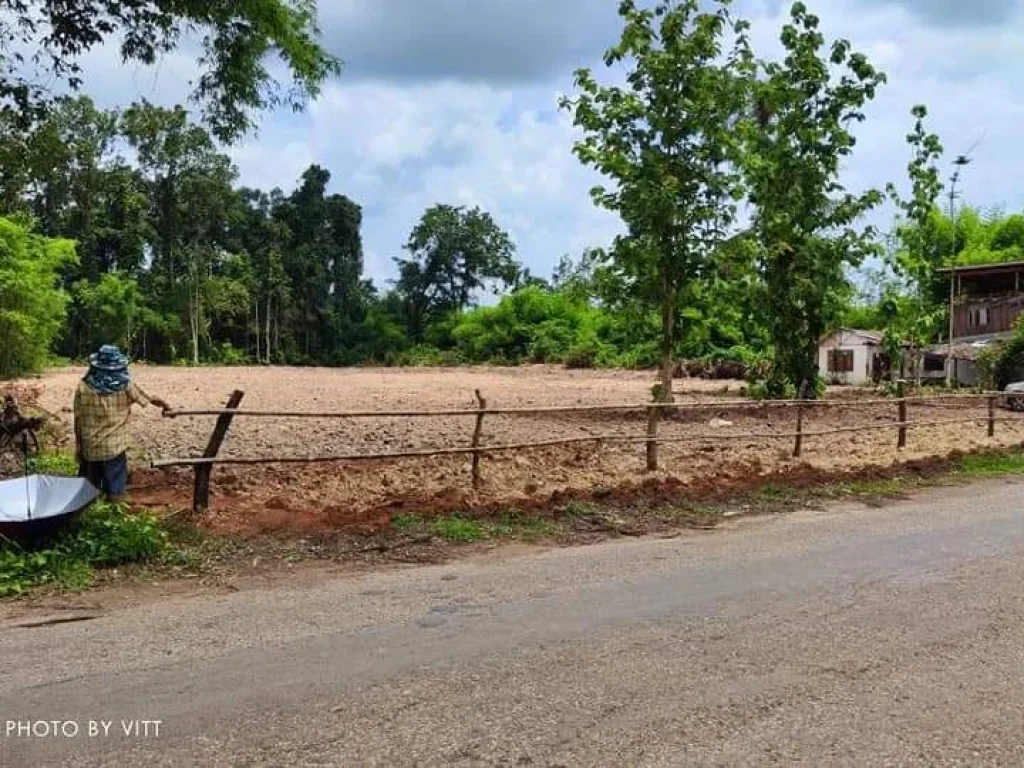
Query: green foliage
x,y
239,40
531,325
458,530
105,535
805,222
664,140
106,311
59,464
453,254
1003,361
32,305
178,265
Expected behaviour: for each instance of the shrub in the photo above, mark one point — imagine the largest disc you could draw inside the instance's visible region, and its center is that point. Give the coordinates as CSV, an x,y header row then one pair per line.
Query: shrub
x,y
582,356
105,535
227,354
33,308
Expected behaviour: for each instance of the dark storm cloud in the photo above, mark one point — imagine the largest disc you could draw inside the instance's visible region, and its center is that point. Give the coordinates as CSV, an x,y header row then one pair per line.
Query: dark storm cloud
x,y
473,40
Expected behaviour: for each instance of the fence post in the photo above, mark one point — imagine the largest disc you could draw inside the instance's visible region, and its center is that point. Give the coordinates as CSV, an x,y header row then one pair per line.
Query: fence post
x,y
652,438
798,448
901,391
477,433
992,415
201,492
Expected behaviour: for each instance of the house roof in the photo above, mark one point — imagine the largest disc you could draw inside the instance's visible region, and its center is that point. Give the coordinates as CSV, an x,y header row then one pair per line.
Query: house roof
x,y
874,337
961,350
984,269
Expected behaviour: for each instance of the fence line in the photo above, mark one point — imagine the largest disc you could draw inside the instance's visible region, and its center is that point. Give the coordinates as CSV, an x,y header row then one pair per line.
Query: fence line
x,y
609,438
609,407
203,466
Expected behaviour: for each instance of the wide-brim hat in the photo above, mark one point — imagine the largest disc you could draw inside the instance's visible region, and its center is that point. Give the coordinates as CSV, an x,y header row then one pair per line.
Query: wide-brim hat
x,y
109,358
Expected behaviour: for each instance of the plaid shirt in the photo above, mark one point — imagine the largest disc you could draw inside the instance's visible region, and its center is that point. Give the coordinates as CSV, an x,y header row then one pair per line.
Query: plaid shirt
x,y
101,421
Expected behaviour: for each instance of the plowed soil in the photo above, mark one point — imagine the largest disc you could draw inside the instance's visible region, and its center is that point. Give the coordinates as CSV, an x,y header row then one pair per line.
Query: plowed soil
x,y
333,495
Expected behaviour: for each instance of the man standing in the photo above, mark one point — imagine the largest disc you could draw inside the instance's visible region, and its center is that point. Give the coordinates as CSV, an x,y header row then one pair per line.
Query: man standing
x,y
103,404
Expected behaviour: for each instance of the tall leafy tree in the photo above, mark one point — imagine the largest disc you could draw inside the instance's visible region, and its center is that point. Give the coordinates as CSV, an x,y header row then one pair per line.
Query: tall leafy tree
x,y
324,261
264,240
192,201
454,253
665,139
805,222
919,250
32,303
237,39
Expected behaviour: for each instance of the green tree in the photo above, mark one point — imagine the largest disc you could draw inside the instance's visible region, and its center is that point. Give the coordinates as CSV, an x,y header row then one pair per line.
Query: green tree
x,y
919,252
264,239
106,311
192,200
805,222
665,139
238,41
32,304
324,263
453,254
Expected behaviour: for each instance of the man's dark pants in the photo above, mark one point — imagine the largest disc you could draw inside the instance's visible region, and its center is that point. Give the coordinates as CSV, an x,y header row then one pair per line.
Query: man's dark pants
x,y
110,476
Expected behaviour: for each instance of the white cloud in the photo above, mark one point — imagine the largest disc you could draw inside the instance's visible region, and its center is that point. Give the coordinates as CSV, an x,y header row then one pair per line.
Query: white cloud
x,y
397,150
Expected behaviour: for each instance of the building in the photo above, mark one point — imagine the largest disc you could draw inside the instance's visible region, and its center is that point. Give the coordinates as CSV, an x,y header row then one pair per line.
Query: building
x,y
986,300
850,357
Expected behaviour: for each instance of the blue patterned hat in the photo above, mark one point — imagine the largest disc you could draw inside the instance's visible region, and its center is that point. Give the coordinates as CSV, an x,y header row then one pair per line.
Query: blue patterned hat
x,y
109,358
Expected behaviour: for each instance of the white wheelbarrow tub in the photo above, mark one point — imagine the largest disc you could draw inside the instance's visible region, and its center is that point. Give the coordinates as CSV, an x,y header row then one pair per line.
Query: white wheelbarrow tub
x,y
40,503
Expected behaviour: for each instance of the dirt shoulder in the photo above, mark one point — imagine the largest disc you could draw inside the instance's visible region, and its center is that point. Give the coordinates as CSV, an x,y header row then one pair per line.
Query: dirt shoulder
x,y
226,563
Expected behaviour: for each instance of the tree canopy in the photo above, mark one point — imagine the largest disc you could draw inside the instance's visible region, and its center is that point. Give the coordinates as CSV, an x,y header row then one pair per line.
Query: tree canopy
x,y
44,42
130,226
665,141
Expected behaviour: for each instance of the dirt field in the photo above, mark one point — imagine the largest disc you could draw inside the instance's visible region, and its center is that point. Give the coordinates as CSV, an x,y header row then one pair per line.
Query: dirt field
x,y
367,493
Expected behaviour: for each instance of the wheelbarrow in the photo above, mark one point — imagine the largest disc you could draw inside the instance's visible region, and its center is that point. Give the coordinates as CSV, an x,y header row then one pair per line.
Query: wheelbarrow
x,y
35,506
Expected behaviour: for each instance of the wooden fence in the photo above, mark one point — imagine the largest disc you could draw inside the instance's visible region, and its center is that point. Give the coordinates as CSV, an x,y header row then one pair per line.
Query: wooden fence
x,y
651,438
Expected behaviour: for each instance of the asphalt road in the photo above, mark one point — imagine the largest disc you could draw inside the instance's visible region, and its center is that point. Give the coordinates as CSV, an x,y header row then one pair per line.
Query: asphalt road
x,y
854,636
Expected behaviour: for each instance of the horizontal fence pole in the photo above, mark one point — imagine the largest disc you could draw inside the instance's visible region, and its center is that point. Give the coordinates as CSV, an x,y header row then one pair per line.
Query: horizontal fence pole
x,y
611,407
187,462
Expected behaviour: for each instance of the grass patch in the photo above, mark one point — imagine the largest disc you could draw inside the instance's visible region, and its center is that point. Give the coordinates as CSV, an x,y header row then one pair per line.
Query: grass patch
x,y
104,536
57,464
577,508
407,522
522,526
459,530
991,465
887,488
772,492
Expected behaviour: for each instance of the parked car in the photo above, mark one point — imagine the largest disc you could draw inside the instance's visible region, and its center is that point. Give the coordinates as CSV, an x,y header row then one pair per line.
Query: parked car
x,y
1015,403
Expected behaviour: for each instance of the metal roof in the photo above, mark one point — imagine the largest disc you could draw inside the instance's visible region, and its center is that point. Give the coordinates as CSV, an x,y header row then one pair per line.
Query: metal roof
x,y
1006,266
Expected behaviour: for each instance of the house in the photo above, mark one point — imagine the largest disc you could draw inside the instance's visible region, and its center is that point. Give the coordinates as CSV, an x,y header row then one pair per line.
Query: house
x,y
985,301
850,357
965,371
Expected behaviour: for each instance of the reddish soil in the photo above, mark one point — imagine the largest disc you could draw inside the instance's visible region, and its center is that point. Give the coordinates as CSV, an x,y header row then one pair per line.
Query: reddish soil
x,y
367,494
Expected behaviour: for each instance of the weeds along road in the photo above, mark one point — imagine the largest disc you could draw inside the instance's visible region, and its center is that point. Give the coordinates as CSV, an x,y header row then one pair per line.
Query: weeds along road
x,y
851,636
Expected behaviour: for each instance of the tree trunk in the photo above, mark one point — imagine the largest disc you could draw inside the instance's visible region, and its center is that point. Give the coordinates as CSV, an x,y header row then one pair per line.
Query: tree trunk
x,y
269,315
668,339
194,311
256,305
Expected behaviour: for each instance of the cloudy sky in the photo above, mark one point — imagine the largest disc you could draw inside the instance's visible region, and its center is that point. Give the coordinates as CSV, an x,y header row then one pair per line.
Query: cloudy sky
x,y
455,101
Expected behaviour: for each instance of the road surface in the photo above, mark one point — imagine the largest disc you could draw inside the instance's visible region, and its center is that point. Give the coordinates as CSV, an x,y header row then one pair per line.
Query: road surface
x,y
852,636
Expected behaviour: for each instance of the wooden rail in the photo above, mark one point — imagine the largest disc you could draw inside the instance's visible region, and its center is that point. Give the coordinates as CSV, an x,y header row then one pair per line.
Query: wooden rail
x,y
610,407
204,464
